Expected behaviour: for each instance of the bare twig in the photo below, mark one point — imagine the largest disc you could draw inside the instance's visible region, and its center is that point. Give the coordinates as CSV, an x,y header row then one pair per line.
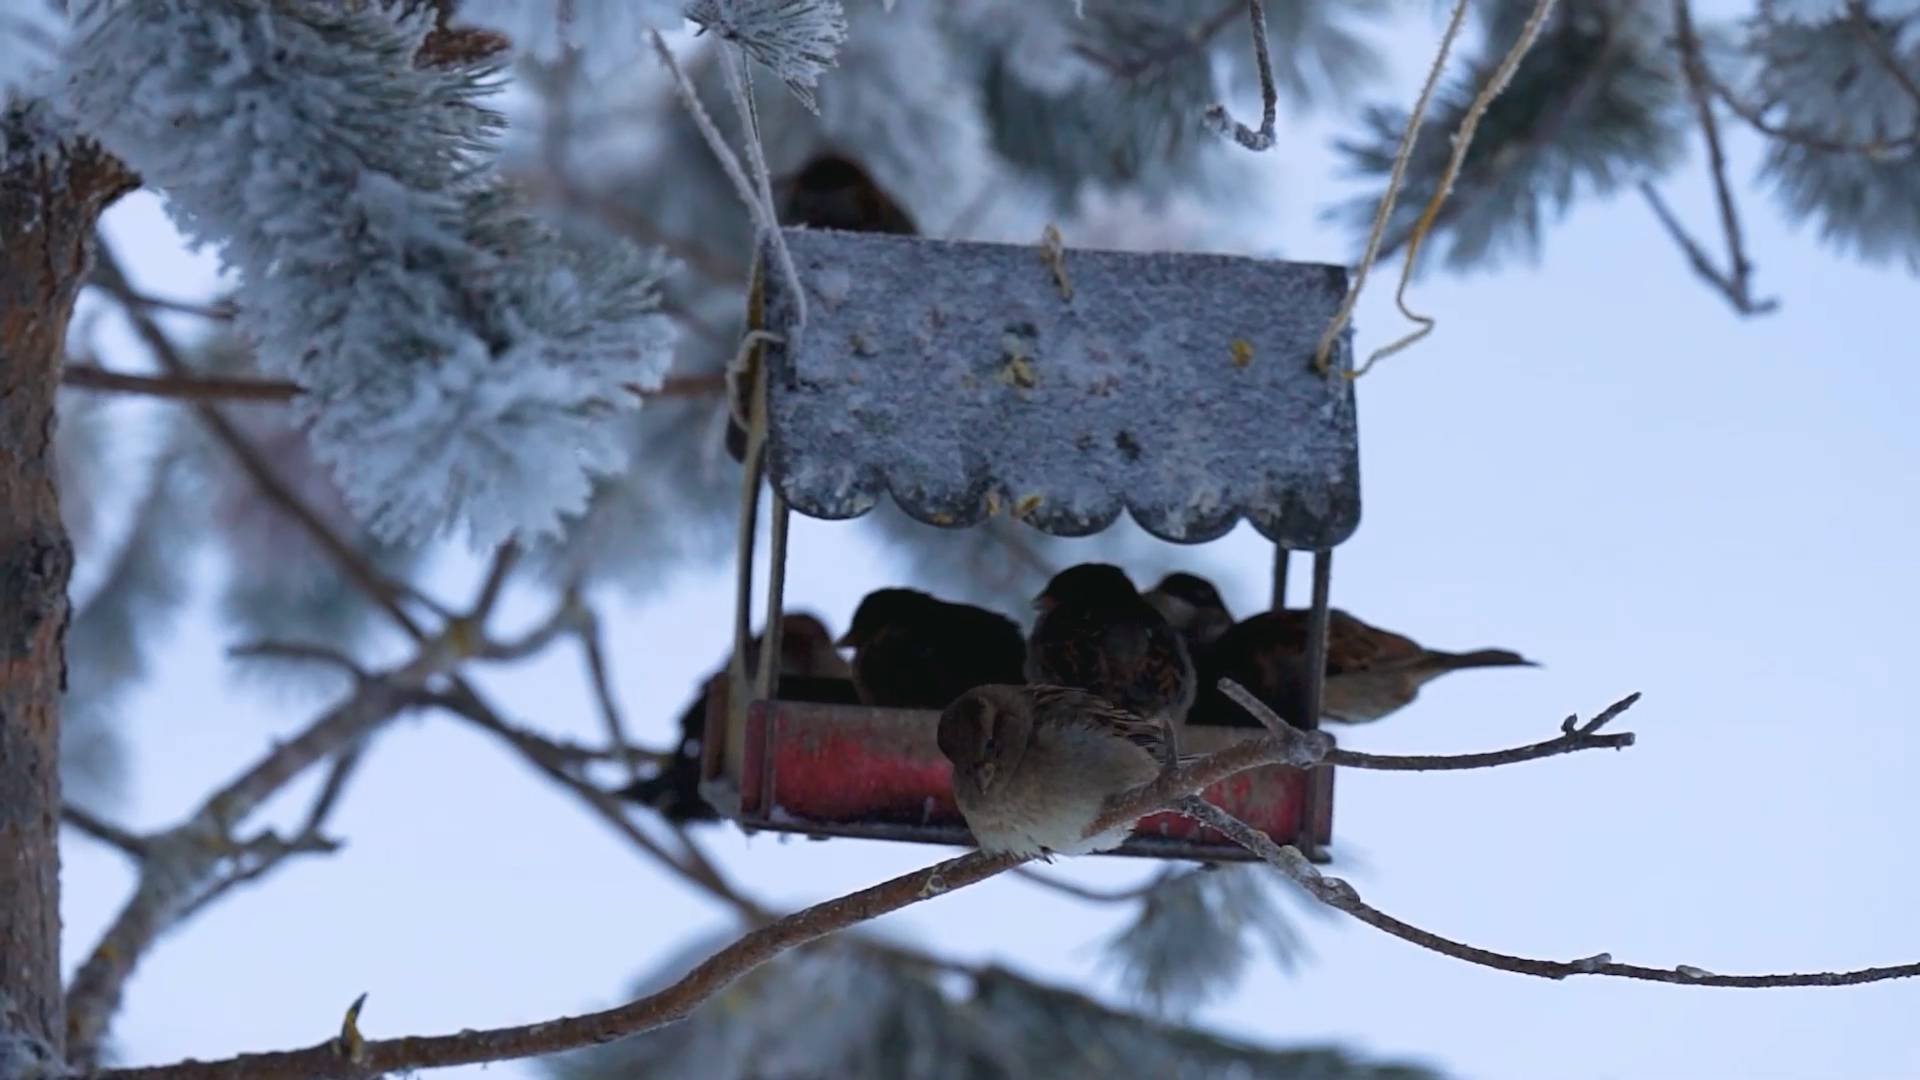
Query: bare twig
x,y
220,312
1736,283
505,558
178,387
716,972
182,862
1323,353
283,650
1217,118
564,619
1339,894
587,629
128,842
1573,738
1462,141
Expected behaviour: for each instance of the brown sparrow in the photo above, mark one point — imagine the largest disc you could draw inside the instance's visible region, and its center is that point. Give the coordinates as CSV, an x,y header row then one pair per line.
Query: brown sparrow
x,y
1192,606
1096,633
807,657
915,651
1035,766
1370,673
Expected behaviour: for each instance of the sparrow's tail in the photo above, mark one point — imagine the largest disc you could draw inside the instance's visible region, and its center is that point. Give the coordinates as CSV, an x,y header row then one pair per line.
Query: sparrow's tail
x,y
1444,661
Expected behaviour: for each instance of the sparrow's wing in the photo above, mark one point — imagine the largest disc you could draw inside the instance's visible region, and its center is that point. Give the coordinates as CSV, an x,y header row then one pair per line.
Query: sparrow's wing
x,y
1096,714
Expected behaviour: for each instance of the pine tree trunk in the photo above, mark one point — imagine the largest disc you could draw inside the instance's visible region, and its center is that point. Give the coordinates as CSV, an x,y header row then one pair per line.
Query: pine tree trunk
x,y
49,203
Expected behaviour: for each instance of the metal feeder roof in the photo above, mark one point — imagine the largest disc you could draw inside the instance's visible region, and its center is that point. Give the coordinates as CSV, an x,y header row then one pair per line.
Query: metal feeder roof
x,y
964,380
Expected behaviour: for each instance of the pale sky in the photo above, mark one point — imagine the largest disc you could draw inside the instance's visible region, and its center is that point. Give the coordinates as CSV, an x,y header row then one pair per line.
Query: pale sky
x,y
1592,461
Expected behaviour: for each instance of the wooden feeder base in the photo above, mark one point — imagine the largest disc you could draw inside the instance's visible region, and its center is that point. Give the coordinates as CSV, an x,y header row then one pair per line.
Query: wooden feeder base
x,y
850,770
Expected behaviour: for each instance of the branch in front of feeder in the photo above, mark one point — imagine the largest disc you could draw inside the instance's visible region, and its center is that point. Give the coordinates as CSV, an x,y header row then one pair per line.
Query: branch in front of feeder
x,y
1462,141
1573,738
1323,353
1216,117
127,842
1340,895
714,974
1093,895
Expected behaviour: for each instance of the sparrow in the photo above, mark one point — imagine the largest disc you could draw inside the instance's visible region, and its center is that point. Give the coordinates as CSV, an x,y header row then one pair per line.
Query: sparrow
x,y
817,673
829,192
1096,633
1193,607
916,651
835,192
1035,766
1370,672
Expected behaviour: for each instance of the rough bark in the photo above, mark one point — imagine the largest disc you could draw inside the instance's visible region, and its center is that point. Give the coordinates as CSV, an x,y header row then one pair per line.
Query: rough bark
x,y
49,204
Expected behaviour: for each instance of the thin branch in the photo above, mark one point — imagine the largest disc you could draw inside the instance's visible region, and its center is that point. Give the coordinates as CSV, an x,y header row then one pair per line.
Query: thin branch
x,y
1323,353
220,312
180,388
129,843
1736,284
1755,117
1340,895
182,862
587,630
1217,118
565,618
505,557
1462,141
316,654
1573,738
756,947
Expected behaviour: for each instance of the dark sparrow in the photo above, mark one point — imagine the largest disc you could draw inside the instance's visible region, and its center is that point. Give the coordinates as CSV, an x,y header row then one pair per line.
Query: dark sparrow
x,y
1034,766
810,669
1370,672
834,192
1192,606
915,651
1096,633
829,192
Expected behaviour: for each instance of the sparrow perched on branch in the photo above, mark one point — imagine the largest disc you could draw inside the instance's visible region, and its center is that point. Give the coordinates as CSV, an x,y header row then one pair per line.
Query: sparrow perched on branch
x,y
1096,633
829,192
1192,606
1370,672
807,655
915,651
1035,766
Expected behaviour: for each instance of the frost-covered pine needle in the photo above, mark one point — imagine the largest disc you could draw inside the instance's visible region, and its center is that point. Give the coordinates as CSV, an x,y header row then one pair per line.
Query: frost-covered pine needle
x,y
460,362
797,39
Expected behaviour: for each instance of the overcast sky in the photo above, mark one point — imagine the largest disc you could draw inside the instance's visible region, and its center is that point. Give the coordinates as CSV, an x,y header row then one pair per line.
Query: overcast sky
x,y
1592,461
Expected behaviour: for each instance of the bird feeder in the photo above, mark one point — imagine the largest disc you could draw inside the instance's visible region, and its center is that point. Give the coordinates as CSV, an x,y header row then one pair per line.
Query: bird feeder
x,y
967,381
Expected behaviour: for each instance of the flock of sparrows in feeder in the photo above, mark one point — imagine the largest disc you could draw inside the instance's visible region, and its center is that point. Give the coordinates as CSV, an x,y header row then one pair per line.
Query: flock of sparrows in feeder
x,y
1044,729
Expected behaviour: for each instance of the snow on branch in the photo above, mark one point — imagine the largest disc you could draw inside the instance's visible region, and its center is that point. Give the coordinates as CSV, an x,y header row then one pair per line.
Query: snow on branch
x,y
458,361
797,39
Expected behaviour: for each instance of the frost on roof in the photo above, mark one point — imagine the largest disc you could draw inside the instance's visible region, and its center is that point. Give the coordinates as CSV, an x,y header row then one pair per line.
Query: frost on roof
x,y
955,377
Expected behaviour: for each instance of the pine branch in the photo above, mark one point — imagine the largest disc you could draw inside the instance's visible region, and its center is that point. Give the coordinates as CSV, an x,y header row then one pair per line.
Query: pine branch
x,y
383,592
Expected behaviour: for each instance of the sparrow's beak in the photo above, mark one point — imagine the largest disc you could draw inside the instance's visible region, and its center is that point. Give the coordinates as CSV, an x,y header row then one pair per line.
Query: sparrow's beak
x,y
1043,602
985,775
845,642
